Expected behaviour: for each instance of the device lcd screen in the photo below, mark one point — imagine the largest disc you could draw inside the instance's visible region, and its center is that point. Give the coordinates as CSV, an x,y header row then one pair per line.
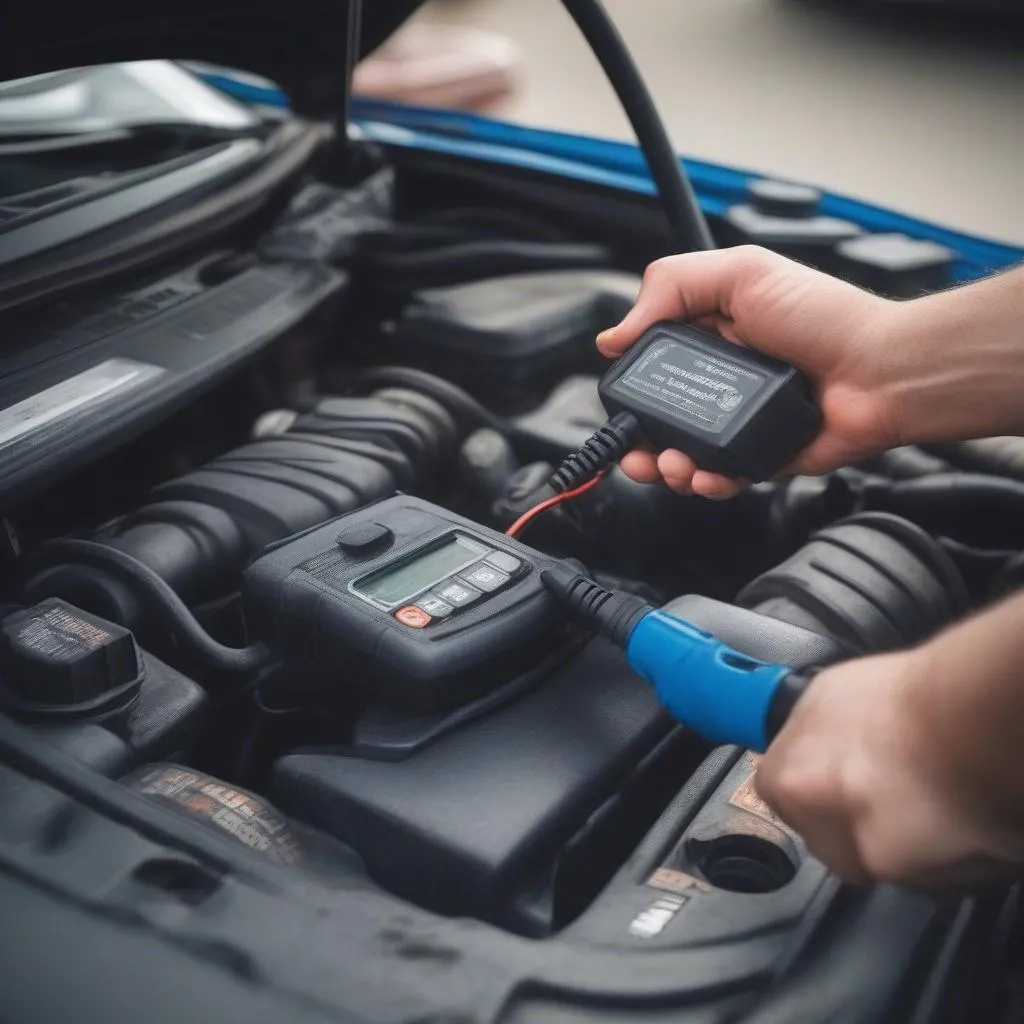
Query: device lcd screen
x,y
395,586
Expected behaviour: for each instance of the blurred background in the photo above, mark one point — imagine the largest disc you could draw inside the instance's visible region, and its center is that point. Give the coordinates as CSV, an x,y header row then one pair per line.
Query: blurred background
x,y
911,105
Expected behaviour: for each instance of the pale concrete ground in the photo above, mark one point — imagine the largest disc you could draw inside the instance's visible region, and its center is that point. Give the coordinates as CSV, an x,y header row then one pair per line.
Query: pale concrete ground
x,y
922,119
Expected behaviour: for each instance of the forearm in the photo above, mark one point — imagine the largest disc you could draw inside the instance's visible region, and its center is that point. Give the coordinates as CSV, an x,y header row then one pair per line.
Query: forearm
x,y
963,353
968,698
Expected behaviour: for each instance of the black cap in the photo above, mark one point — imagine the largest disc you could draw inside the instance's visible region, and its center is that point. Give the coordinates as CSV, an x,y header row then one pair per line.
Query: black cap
x,y
897,265
783,198
59,662
364,539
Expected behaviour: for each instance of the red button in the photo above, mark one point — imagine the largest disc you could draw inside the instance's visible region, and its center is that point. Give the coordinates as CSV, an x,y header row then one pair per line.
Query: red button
x,y
412,616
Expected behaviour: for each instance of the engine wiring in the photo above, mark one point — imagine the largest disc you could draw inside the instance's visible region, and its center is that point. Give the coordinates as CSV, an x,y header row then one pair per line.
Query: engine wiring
x,y
528,517
585,468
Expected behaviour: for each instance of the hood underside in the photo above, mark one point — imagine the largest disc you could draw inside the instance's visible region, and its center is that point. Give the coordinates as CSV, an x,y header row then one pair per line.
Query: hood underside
x,y
300,44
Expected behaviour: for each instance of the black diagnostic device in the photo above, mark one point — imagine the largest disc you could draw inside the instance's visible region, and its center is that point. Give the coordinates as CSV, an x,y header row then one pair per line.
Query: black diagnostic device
x,y
412,605
730,408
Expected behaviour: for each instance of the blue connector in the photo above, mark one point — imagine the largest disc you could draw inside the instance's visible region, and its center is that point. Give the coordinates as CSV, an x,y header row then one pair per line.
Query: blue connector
x,y
725,696
716,691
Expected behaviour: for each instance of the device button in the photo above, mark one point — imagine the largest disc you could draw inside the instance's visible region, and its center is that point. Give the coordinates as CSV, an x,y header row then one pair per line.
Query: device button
x,y
362,538
458,594
503,561
485,578
412,616
435,607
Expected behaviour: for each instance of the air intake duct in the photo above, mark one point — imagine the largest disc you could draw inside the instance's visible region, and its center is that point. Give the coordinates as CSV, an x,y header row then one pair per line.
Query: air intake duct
x,y
872,582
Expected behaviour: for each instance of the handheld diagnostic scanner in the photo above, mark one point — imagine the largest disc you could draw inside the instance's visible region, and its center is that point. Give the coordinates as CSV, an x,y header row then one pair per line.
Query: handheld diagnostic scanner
x,y
731,409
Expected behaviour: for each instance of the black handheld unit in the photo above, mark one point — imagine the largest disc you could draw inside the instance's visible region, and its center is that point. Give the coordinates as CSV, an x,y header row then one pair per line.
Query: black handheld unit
x,y
407,603
730,408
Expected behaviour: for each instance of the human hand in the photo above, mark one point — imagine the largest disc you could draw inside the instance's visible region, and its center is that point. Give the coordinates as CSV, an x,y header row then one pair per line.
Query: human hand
x,y
877,789
837,334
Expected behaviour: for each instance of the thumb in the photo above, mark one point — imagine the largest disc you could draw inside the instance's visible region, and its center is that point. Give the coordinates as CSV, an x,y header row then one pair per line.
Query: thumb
x,y
660,298
686,287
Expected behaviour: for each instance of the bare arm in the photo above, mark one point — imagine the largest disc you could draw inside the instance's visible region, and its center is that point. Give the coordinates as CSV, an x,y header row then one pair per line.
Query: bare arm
x,y
963,375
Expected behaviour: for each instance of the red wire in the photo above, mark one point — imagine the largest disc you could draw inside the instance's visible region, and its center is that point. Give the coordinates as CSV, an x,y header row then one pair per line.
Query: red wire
x,y
528,517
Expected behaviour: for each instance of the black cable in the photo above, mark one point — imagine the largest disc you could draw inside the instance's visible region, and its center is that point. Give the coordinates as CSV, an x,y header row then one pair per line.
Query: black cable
x,y
499,223
460,403
970,507
401,271
1001,456
349,58
611,614
604,447
686,219
907,463
164,602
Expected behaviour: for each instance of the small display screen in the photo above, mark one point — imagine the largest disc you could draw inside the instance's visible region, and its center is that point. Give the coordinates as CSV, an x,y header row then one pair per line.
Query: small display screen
x,y
395,586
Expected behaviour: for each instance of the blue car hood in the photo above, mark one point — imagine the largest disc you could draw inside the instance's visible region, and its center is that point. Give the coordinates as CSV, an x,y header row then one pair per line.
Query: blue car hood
x,y
616,164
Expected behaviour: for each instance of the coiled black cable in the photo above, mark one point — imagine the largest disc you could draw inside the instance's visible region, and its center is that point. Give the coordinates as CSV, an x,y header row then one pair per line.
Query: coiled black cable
x,y
163,600
604,447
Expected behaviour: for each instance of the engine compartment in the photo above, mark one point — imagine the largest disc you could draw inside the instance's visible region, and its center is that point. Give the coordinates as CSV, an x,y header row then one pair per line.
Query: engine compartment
x,y
379,339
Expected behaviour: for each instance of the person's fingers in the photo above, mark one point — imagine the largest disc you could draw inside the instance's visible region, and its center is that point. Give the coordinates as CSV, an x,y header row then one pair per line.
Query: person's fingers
x,y
686,287
676,470
641,466
716,486
680,473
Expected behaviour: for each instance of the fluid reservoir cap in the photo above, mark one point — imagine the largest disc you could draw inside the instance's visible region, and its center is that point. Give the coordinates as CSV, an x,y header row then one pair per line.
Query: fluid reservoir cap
x,y
896,265
896,252
784,199
363,539
59,662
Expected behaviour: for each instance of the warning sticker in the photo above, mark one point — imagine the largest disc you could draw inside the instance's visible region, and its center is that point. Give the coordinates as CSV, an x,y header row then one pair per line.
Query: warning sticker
x,y
248,820
673,880
746,798
703,388
99,384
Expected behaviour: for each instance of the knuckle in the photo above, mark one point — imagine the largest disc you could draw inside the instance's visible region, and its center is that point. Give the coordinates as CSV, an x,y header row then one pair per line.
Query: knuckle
x,y
658,271
793,790
755,259
880,856
751,253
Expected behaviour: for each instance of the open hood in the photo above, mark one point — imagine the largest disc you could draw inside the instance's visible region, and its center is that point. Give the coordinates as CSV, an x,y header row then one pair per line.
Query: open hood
x,y
300,44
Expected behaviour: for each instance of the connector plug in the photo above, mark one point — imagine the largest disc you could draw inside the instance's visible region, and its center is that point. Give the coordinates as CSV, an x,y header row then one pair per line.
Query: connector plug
x,y
611,615
605,447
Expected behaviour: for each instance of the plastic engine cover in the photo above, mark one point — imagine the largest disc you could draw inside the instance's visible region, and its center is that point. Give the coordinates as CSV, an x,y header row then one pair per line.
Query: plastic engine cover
x,y
463,824
510,340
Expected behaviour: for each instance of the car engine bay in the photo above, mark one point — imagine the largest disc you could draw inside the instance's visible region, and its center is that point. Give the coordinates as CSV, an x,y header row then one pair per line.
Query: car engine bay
x,y
181,443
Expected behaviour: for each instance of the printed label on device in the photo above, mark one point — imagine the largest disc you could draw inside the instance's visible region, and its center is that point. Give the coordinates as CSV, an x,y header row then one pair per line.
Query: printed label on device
x,y
704,388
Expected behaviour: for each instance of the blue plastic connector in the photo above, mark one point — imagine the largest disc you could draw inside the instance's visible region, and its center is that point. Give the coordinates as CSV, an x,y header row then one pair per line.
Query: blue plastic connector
x,y
721,694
